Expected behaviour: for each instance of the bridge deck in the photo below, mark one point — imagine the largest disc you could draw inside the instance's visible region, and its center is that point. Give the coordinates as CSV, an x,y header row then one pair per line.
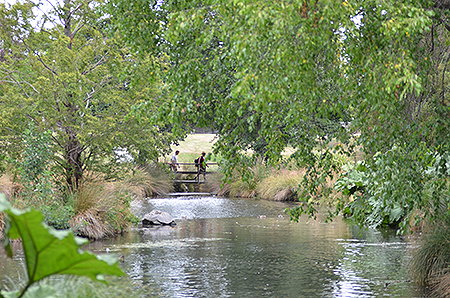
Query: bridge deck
x,y
188,181
192,172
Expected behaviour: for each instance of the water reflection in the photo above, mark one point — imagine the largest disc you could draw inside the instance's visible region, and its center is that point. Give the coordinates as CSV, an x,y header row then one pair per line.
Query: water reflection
x,y
222,248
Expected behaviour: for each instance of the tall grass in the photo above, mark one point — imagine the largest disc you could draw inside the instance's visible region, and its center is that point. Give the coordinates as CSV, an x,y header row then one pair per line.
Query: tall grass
x,y
430,262
281,185
97,209
269,184
215,185
247,188
150,181
101,209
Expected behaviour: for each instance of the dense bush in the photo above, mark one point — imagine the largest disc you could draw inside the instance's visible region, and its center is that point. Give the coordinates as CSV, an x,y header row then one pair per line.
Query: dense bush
x,y
57,216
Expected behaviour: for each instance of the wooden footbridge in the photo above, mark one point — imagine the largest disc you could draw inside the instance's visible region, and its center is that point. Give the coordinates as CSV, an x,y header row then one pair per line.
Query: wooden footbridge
x,y
191,169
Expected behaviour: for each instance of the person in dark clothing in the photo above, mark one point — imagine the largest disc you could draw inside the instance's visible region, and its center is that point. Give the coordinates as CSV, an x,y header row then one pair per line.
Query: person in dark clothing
x,y
202,165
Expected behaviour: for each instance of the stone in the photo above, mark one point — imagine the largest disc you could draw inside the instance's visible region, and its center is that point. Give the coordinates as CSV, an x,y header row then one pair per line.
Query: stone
x,y
156,217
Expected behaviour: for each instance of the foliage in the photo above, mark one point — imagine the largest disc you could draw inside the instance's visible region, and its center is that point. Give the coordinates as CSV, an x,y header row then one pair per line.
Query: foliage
x,y
49,252
61,75
387,193
33,170
83,287
57,216
353,179
292,73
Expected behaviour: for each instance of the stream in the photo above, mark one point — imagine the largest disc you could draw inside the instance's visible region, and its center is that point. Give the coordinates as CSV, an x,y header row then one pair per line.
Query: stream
x,y
225,247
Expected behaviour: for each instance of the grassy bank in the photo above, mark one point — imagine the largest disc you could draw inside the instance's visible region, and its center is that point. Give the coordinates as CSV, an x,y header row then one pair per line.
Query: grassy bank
x,y
98,208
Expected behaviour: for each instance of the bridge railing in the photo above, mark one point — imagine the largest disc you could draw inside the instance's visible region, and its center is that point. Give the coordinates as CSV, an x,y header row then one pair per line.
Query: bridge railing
x,y
191,170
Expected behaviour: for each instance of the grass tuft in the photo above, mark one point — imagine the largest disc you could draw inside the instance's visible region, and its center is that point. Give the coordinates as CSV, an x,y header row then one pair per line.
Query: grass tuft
x,y
101,209
89,225
150,181
247,188
430,260
281,185
441,287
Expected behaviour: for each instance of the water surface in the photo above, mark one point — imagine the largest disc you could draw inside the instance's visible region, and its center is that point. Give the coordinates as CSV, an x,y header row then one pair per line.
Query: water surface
x,y
245,248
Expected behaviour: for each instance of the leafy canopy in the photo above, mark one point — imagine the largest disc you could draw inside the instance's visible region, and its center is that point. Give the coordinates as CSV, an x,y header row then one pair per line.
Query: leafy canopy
x,y
268,75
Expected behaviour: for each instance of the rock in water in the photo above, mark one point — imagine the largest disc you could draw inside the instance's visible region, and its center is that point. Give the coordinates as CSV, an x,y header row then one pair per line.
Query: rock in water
x,y
156,217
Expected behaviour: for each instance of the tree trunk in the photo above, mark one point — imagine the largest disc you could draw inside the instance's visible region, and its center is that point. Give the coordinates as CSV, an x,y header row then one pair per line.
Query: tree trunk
x,y
67,26
74,166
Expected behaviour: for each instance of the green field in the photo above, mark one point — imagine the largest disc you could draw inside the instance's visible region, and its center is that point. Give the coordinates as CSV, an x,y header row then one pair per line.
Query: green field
x,y
193,146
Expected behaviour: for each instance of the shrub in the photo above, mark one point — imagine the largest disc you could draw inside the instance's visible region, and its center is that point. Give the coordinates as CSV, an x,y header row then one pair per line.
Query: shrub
x,y
57,216
33,168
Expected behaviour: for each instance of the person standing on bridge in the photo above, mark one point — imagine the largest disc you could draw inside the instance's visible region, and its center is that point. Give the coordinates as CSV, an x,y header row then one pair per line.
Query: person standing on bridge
x,y
202,165
174,161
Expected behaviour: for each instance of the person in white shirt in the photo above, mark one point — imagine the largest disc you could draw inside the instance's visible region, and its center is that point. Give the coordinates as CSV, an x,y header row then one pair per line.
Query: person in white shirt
x,y
174,161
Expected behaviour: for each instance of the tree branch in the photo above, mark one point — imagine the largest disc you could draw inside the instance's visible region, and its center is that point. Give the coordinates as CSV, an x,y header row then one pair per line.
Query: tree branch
x,y
20,86
95,65
48,18
39,58
32,87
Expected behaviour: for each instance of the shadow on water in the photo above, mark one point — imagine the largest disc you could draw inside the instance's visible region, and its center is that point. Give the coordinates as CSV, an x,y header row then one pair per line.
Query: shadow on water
x,y
225,248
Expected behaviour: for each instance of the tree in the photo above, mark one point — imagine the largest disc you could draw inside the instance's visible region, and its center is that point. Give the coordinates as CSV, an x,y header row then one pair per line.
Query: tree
x,y
289,72
62,74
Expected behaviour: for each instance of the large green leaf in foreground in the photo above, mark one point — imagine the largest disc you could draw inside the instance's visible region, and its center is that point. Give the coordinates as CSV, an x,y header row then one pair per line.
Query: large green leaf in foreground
x,y
48,251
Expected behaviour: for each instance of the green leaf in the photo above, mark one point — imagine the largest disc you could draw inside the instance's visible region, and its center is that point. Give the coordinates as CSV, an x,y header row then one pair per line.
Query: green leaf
x,y
396,213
